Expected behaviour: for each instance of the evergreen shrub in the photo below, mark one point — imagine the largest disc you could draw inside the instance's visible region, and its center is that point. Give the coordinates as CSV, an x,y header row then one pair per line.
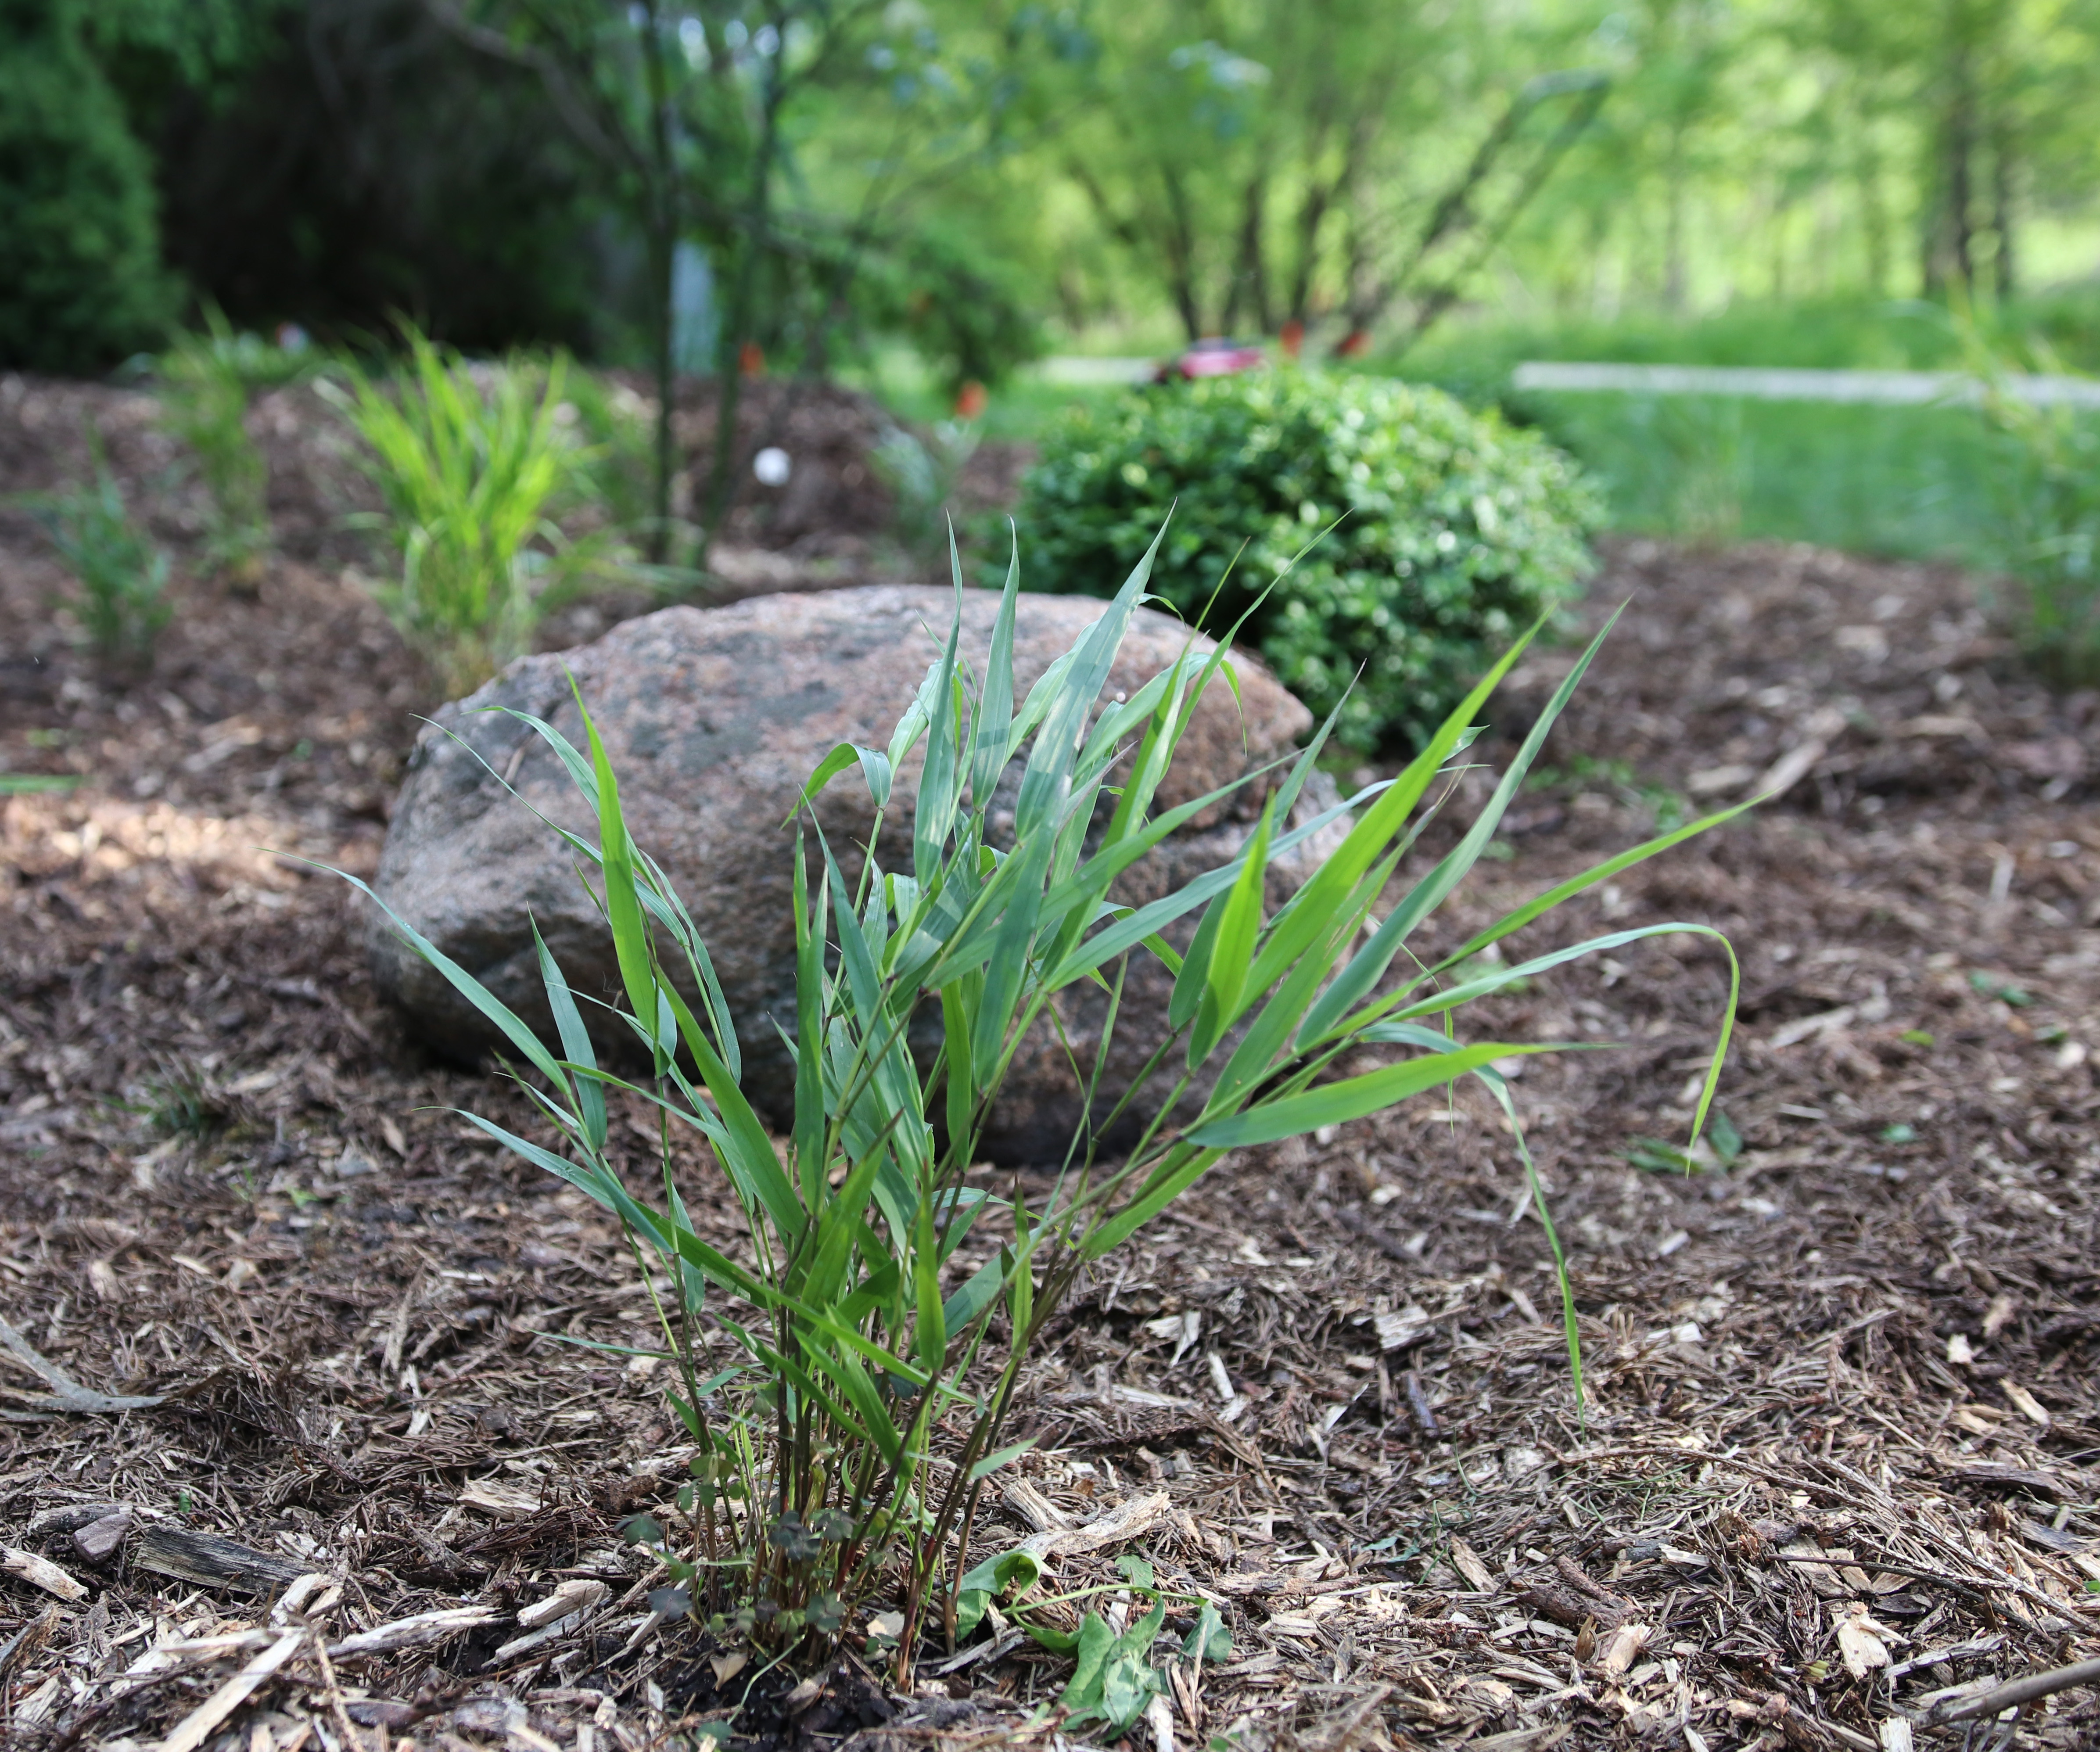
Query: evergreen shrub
x,y
1452,529
81,280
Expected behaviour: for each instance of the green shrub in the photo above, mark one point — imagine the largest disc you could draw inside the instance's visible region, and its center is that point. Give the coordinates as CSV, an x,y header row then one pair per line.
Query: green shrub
x,y
846,1368
470,461
81,280
123,577
1456,529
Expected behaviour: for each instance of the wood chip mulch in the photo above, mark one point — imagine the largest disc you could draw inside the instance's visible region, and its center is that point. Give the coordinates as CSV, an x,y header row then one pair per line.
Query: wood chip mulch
x,y
1838,1469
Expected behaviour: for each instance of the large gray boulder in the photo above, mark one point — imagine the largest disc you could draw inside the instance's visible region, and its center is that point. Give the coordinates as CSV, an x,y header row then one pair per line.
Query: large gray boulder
x,y
713,719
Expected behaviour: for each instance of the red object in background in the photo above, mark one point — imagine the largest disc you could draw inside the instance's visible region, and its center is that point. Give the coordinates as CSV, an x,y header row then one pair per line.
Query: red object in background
x,y
751,360
1292,340
1353,343
970,400
1211,357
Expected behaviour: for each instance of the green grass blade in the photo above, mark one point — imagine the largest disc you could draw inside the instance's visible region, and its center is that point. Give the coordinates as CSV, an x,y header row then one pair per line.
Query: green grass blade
x,y
958,1059
1496,979
1542,904
514,1030
1353,1097
930,1332
995,713
1007,968
575,1041
1268,1039
1371,835
595,1182
840,758
1369,965
746,1150
1133,928
1047,778
810,932
1177,1174
623,908
977,1292
1239,925
941,780
661,900
1497,1086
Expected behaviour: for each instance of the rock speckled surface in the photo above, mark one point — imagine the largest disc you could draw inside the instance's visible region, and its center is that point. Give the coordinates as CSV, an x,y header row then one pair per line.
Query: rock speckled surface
x,y
713,719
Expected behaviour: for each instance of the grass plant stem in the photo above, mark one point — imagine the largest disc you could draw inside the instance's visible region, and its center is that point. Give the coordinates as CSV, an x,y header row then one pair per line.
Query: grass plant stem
x,y
857,1440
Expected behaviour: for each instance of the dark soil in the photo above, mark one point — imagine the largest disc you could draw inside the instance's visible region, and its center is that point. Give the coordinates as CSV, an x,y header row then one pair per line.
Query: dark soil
x,y
1843,1380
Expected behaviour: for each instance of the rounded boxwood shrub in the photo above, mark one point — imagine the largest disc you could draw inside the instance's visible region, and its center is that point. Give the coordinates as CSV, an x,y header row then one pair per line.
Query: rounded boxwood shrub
x,y
1457,529
80,280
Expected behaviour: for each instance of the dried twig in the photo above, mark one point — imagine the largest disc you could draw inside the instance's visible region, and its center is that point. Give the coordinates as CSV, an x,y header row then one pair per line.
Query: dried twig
x,y
2018,1692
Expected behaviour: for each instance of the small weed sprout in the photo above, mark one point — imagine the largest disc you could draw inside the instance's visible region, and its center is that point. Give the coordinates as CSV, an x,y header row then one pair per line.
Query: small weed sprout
x,y
205,380
470,461
1665,808
846,1370
123,577
179,1102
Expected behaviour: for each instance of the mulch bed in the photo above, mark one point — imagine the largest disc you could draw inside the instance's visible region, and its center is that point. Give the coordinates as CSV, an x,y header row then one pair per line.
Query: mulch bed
x,y
1840,1388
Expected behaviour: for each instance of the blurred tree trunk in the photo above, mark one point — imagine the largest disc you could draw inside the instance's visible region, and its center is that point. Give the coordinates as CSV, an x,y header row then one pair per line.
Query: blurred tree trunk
x,y
2004,170
663,225
1250,293
736,327
1873,214
1673,225
565,50
1312,210
1961,147
1179,243
1949,238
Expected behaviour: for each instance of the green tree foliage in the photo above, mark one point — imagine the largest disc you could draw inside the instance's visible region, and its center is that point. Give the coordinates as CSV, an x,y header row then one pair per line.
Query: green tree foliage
x,y
1454,529
968,316
81,283
1285,160
1237,167
1244,165
1780,148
